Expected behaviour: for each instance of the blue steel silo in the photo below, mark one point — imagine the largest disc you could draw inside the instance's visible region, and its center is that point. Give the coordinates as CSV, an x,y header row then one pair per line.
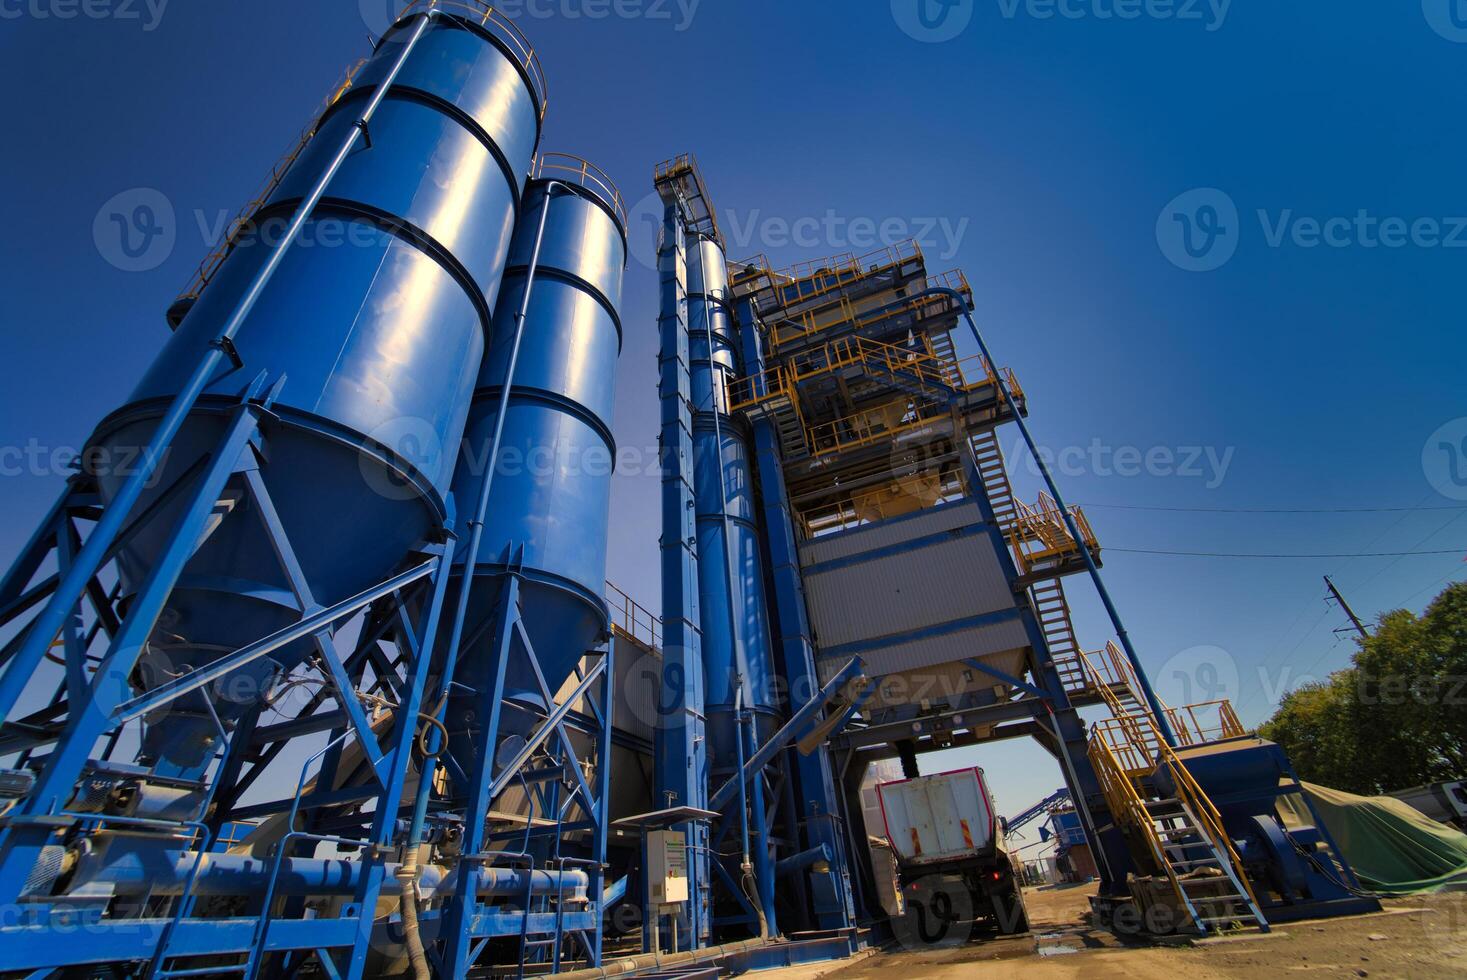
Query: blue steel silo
x,y
551,367
302,426
376,343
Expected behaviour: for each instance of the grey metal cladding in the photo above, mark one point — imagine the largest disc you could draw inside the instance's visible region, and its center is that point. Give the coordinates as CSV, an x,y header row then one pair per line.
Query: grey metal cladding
x,y
952,579
875,536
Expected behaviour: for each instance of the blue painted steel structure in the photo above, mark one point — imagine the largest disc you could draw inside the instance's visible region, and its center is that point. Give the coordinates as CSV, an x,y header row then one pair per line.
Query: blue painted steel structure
x,y
780,822
300,433
738,667
681,761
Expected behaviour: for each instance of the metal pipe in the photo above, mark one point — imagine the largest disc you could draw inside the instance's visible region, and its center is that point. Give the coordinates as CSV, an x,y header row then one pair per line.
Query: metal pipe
x,y
799,862
782,737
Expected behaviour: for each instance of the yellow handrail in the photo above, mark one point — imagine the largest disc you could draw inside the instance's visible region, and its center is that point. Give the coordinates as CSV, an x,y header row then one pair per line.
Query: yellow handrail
x,y
843,312
570,168
487,15
1127,744
631,619
1044,524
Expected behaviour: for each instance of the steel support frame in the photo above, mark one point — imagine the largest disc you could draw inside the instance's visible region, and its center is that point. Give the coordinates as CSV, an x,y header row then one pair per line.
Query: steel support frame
x,y
107,703
466,921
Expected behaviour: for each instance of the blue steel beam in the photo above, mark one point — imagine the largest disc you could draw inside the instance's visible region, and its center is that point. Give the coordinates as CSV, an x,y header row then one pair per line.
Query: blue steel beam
x,y
797,723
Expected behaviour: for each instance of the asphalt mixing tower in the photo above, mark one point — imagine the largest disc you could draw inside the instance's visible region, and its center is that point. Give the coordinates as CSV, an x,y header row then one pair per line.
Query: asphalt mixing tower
x,y
327,684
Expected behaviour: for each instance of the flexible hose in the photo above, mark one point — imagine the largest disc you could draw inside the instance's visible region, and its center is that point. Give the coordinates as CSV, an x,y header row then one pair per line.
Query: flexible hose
x,y
408,901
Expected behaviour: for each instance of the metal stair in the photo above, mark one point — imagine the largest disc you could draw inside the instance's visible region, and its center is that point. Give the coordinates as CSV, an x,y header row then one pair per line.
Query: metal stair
x,y
1197,868
1053,612
988,457
1184,832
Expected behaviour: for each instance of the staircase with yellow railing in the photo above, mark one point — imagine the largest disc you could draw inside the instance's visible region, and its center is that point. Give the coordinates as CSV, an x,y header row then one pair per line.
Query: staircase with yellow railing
x,y
1180,829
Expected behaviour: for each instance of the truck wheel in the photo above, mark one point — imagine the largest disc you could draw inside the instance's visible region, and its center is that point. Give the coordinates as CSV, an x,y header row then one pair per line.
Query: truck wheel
x,y
1009,911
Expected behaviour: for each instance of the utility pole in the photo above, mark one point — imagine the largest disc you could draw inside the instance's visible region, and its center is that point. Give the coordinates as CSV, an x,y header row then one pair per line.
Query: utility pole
x,y
1359,627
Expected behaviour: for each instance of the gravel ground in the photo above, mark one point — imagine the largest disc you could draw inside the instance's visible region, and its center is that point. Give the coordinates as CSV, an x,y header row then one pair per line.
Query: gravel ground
x,y
1423,937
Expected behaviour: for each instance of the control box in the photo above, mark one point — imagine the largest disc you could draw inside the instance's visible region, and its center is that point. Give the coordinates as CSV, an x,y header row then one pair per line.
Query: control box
x,y
667,867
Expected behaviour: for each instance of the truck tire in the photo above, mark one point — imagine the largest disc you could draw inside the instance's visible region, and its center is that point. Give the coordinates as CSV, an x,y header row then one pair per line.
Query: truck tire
x,y
1009,911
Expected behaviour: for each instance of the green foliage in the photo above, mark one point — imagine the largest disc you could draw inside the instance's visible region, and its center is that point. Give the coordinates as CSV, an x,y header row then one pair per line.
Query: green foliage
x,y
1397,717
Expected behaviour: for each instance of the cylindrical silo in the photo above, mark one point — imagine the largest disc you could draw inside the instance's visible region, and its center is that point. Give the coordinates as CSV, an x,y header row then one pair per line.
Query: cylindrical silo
x,y
371,333
731,587
548,512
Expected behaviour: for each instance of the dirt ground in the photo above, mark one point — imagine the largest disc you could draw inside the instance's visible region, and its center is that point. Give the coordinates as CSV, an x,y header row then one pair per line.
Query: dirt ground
x,y
1413,938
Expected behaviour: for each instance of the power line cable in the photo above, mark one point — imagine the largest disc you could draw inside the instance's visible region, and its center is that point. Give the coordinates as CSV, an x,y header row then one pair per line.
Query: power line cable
x,y
1272,510
1234,554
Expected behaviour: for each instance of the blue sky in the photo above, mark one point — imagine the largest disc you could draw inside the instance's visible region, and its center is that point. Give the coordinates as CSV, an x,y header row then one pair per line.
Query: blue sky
x,y
1056,151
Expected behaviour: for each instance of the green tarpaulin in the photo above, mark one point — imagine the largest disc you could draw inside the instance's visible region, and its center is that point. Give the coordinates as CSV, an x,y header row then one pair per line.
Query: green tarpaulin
x,y
1394,848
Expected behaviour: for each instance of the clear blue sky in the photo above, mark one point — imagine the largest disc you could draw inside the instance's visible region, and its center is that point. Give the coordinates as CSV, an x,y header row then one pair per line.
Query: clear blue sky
x,y
1050,148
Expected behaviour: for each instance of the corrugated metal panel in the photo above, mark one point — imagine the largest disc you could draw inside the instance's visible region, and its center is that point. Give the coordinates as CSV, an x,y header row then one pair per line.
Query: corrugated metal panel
x,y
638,681
884,535
980,642
956,579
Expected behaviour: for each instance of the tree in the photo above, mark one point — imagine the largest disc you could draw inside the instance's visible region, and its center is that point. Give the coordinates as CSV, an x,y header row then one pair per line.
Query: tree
x,y
1397,717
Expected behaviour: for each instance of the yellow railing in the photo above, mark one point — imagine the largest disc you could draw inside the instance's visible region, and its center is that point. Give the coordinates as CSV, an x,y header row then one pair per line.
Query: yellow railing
x,y
632,619
572,169
1207,721
780,381
1040,532
844,311
246,216
486,15
806,281
872,425
1127,747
